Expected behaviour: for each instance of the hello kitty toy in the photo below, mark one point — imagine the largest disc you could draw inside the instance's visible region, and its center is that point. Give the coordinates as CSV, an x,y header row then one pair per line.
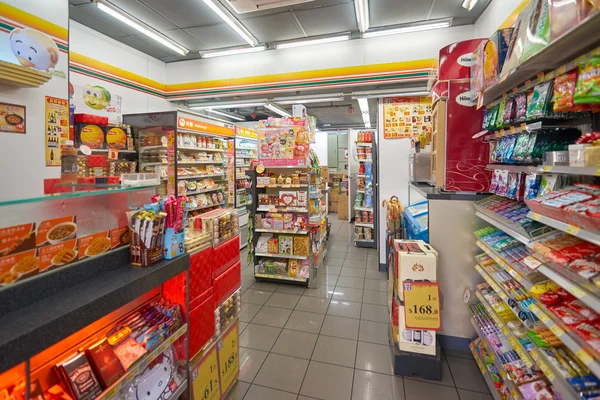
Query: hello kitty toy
x,y
158,381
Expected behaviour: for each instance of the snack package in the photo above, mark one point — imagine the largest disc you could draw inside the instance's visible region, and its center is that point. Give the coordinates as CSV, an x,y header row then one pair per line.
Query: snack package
x,y
532,185
159,380
538,29
502,183
564,89
517,40
541,98
495,52
587,90
564,14
494,181
513,184
520,107
521,146
509,111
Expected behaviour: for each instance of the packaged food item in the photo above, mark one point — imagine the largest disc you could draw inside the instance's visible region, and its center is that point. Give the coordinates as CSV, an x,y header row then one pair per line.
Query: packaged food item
x,y
499,117
517,40
538,29
564,14
301,246
495,51
564,89
520,107
288,198
542,94
532,185
587,90
509,111
286,245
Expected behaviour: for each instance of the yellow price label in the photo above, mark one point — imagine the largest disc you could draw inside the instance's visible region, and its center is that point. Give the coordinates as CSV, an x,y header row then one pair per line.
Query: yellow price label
x,y
527,84
512,129
543,317
548,168
551,377
205,377
584,356
573,230
540,77
505,332
503,374
575,291
561,70
536,217
422,305
597,173
111,392
557,330
229,360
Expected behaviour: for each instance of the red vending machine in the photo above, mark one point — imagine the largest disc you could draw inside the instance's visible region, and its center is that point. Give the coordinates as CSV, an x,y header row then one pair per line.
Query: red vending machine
x,y
458,162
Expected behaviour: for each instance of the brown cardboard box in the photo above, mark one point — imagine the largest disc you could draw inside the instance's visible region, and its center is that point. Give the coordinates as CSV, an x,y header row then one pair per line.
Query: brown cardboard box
x,y
333,207
343,207
324,174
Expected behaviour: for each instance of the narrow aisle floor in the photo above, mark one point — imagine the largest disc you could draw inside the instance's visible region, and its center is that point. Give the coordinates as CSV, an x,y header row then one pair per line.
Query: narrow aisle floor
x,y
331,343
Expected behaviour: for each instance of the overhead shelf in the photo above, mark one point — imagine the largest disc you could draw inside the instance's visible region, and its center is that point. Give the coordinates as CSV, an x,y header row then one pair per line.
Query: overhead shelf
x,y
509,228
589,236
581,38
200,176
201,149
195,192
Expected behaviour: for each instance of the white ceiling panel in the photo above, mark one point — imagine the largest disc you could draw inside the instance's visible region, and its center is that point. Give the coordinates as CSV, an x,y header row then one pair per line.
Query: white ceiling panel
x,y
216,36
96,24
272,28
321,3
144,14
104,21
142,45
329,19
453,8
78,2
186,40
184,13
392,12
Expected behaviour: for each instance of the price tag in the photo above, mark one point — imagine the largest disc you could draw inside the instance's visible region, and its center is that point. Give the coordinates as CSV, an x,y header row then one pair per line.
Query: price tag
x,y
422,305
206,377
527,83
229,361
503,374
597,173
536,217
548,168
584,356
575,291
551,377
520,351
561,70
505,331
516,89
523,126
512,129
113,154
532,262
573,230
557,330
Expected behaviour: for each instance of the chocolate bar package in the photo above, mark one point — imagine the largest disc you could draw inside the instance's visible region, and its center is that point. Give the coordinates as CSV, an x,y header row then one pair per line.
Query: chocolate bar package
x,y
104,363
81,378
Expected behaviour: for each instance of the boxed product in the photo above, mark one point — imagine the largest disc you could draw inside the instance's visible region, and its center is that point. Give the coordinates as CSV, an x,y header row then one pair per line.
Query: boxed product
x,y
416,261
288,198
286,245
342,207
414,340
301,246
90,130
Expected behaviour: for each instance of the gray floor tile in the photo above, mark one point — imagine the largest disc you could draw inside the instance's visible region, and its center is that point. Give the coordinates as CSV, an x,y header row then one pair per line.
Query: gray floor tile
x,y
373,332
282,372
465,374
238,391
283,300
372,312
374,357
374,386
248,311
375,297
355,283
329,280
313,304
416,390
259,337
376,284
331,269
334,261
266,286
263,393
305,322
356,256
352,263
272,316
446,375
250,362
254,296
468,395
291,289
295,344
338,246
342,308
348,294
334,350
327,382
353,272
337,253
322,291
370,274
243,326
372,266
247,281
346,328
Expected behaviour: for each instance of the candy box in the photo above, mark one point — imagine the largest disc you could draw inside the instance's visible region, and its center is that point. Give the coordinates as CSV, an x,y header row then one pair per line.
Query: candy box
x,y
91,135
278,224
286,245
288,198
273,245
301,246
288,221
302,199
262,243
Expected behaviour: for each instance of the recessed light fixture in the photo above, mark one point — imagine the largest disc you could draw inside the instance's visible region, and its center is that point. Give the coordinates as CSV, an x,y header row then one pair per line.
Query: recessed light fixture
x,y
232,52
220,106
408,29
469,4
139,26
363,103
236,25
309,42
310,99
361,8
227,115
277,110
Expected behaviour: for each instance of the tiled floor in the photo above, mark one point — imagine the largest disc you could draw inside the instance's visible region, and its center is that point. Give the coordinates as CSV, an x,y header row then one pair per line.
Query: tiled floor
x,y
331,343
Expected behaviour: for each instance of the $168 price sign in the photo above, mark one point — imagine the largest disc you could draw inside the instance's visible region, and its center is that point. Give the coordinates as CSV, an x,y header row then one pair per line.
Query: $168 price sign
x,y
422,305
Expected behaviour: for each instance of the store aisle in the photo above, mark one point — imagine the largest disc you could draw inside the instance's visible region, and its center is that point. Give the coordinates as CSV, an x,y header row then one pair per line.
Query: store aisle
x,y
332,342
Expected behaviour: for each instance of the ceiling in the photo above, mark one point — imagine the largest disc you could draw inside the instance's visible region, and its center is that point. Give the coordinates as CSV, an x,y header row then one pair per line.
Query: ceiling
x,y
195,26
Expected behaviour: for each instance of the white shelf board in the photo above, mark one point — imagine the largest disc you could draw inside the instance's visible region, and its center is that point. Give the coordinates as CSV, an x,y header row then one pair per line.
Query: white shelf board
x,y
589,236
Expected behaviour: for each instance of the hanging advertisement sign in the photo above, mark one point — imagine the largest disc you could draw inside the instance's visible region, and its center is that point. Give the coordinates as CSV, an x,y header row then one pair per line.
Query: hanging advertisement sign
x,y
96,100
57,128
407,117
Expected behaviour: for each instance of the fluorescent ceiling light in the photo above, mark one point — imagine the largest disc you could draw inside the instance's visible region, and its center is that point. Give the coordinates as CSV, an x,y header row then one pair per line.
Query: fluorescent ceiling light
x,y
309,42
407,29
310,99
231,52
139,26
277,110
469,4
363,103
226,16
220,106
227,115
361,8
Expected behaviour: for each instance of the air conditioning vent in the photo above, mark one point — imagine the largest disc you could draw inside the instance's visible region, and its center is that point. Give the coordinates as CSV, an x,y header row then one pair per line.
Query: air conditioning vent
x,y
247,6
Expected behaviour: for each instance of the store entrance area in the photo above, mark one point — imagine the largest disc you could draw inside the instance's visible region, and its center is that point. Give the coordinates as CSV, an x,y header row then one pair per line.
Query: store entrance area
x,y
332,342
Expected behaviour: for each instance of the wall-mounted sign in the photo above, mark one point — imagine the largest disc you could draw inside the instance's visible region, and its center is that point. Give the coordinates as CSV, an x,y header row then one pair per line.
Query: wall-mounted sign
x,y
57,129
406,117
204,127
12,118
246,133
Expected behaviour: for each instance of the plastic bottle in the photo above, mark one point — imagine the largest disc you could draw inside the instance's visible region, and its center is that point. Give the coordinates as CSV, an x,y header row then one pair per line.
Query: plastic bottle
x,y
68,163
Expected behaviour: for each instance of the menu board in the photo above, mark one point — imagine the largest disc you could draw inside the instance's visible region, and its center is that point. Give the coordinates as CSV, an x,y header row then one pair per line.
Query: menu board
x,y
407,117
57,129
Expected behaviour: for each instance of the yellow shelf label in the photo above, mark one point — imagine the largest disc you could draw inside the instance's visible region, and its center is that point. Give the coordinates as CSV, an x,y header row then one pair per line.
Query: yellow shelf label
x,y
584,356
548,168
536,217
575,291
505,332
540,77
557,330
551,377
573,230
561,70
543,317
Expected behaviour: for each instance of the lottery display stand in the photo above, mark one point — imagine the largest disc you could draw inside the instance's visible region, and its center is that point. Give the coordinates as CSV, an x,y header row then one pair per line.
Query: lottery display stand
x,y
536,309
290,226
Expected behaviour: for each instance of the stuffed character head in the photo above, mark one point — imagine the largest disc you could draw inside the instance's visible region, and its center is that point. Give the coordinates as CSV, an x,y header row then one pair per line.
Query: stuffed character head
x,y
157,380
33,49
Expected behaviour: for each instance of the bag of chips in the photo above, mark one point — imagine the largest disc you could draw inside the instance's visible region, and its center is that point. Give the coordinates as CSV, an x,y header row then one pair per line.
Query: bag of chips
x,y
587,90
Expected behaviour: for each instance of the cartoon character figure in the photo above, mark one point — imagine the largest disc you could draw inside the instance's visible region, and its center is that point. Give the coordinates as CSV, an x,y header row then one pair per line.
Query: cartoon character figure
x,y
33,49
96,97
157,381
